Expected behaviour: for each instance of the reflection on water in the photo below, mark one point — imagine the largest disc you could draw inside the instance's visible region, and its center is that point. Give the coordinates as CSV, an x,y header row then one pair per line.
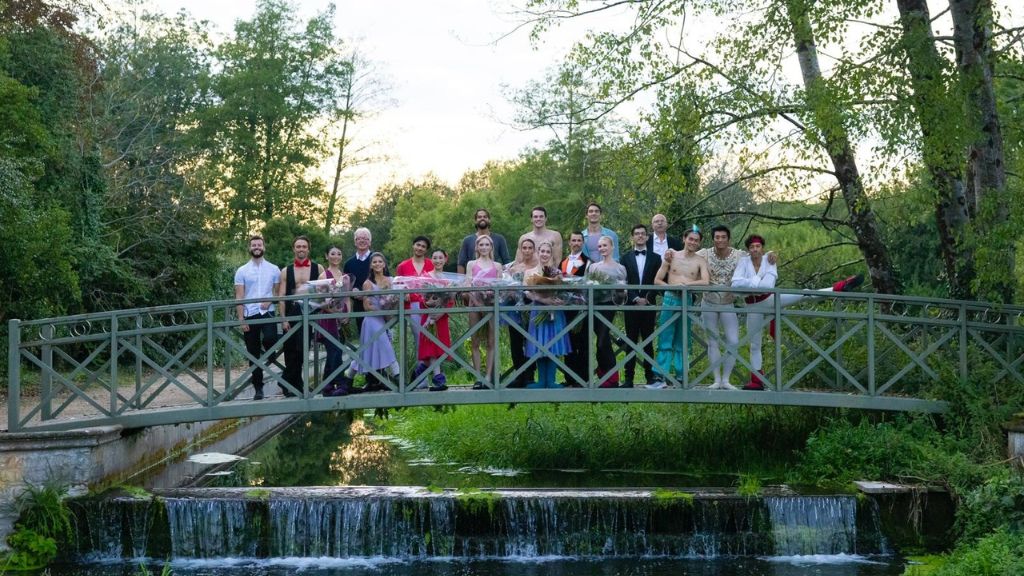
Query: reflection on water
x,y
337,449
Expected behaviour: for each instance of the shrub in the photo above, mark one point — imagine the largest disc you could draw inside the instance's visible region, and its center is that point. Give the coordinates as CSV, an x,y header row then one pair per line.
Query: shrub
x,y
999,554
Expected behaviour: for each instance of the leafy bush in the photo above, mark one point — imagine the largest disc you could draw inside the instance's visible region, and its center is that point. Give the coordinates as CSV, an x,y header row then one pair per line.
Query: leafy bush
x,y
44,521
31,551
43,510
999,554
998,503
903,450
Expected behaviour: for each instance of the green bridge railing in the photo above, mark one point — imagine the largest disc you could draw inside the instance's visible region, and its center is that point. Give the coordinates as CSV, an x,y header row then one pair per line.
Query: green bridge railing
x,y
188,362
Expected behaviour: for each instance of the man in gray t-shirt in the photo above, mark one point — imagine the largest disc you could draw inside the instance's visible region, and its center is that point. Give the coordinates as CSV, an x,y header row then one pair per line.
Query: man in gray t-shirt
x,y
467,251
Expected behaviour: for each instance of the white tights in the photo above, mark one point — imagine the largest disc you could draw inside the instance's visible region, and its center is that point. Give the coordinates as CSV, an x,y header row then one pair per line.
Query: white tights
x,y
756,321
730,324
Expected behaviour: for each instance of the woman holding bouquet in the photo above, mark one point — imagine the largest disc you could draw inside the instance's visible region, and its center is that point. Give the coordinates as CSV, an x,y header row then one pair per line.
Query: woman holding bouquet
x,y
481,272
335,385
375,349
546,326
429,351
526,259
606,271
419,266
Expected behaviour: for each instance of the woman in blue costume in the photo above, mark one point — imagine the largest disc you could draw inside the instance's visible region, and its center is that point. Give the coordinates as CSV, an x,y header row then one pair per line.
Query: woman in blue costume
x,y
546,326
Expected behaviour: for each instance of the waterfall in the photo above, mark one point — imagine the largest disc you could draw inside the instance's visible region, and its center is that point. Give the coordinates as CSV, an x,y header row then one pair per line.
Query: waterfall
x,y
416,523
809,525
213,528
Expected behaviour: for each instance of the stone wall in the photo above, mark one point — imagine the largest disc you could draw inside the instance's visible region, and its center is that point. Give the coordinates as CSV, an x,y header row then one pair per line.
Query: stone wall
x,y
86,459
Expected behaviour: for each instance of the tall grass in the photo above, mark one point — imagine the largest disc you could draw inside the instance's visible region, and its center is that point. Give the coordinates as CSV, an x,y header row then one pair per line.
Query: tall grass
x,y
677,438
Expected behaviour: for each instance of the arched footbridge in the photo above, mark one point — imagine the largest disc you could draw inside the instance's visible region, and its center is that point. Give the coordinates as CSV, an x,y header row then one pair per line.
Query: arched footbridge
x,y
188,363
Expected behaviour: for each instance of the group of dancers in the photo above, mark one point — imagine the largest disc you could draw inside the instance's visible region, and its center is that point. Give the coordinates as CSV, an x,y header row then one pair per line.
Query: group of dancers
x,y
653,259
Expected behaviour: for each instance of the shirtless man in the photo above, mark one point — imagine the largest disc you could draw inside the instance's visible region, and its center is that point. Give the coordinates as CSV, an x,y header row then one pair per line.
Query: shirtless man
x,y
541,234
684,268
293,276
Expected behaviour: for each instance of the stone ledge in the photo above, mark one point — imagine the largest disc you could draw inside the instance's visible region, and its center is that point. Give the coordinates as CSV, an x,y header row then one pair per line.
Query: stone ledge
x,y
59,440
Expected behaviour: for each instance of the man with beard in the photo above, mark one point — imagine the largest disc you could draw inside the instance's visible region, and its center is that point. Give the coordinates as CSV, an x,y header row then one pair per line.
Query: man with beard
x,y
483,228
294,275
257,279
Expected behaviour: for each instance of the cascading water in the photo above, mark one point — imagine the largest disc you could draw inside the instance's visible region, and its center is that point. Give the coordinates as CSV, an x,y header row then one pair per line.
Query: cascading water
x,y
416,523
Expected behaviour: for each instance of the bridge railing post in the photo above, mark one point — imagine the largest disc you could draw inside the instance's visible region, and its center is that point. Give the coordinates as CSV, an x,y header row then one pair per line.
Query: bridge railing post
x,y
13,375
779,325
963,341
591,359
138,361
46,374
210,349
871,345
402,380
114,353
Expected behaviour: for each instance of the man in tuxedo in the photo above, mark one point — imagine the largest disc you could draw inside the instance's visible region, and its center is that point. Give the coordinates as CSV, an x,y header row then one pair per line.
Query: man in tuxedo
x,y
575,264
659,241
641,267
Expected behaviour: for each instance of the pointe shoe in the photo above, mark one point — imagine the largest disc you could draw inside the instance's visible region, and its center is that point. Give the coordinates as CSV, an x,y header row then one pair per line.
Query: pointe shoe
x,y
849,284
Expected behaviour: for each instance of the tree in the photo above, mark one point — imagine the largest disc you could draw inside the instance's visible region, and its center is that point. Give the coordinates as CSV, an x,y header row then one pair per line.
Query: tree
x,y
739,99
265,131
362,95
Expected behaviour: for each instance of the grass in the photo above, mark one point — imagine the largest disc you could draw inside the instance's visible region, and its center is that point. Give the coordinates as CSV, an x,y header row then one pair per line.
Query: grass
x,y
671,438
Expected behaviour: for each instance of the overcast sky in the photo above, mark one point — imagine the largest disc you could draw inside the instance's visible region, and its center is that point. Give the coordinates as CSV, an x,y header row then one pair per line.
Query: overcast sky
x,y
449,112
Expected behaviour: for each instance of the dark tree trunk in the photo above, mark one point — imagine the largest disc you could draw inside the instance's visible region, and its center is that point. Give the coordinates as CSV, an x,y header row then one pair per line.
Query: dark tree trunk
x,y
935,106
986,182
836,141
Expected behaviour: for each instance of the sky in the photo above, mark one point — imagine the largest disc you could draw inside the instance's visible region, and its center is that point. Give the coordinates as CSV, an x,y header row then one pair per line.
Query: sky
x,y
449,112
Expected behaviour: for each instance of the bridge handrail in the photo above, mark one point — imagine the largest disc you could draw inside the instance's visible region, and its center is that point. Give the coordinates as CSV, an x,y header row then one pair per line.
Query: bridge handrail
x,y
886,326
995,308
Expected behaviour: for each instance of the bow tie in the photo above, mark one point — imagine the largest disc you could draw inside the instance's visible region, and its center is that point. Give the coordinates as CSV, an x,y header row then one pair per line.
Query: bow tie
x,y
640,252
302,263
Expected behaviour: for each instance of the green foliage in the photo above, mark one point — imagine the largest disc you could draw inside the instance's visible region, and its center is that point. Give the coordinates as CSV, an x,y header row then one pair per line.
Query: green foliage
x,y
144,570
258,494
923,565
998,503
912,450
281,231
749,485
476,501
665,497
31,551
1000,553
42,509
280,77
610,436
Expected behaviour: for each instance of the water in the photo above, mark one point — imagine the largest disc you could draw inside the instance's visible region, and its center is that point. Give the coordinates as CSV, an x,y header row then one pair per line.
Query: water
x,y
333,449
348,530
830,566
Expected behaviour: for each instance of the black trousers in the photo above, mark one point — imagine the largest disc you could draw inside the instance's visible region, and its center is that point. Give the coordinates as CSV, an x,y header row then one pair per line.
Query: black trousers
x,y
576,360
294,354
259,339
605,350
517,344
639,325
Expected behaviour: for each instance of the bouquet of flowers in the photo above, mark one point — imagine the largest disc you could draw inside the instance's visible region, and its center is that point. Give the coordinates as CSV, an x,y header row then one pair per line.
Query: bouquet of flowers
x,y
434,299
617,297
548,277
332,290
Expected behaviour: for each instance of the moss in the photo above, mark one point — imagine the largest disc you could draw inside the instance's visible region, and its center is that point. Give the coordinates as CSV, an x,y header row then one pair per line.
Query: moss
x,y
135,492
923,565
475,501
258,494
666,497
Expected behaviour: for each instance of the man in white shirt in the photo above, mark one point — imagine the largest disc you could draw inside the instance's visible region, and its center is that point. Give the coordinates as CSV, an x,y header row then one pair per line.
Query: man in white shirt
x,y
257,279
659,241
